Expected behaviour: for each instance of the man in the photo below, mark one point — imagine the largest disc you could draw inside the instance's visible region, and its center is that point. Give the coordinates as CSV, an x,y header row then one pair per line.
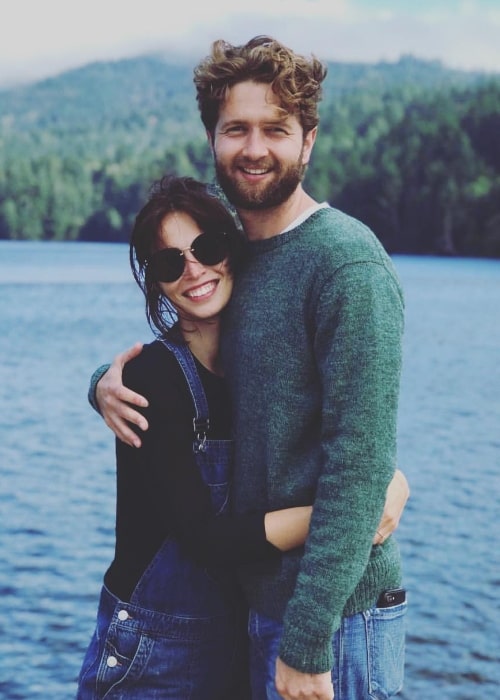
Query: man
x,y
312,353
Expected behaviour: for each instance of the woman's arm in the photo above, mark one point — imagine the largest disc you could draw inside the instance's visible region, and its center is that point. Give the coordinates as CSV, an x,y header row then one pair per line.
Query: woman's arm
x,y
113,400
286,529
397,495
175,499
181,498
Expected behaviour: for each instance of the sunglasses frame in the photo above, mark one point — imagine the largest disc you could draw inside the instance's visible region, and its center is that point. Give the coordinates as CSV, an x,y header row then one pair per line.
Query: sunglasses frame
x,y
159,263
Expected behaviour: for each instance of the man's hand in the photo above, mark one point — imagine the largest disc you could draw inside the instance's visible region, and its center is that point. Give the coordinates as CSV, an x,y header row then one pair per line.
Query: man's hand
x,y
295,685
114,399
398,493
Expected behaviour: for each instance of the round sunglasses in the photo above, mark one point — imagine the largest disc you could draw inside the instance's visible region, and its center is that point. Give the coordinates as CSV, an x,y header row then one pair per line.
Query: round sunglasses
x,y
209,248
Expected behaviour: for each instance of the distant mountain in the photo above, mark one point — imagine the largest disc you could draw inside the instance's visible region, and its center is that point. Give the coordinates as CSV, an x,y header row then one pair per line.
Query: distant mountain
x,y
411,148
106,95
385,76
115,92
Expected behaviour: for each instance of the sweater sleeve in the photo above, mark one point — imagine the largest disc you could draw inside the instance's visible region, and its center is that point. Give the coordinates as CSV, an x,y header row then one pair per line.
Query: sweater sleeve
x,y
94,380
358,321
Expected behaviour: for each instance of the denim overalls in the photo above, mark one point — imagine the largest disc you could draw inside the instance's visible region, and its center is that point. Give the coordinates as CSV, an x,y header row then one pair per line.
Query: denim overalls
x,y
183,634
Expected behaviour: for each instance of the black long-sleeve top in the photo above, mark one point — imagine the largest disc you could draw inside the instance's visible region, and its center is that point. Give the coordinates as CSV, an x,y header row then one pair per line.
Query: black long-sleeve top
x,y
160,491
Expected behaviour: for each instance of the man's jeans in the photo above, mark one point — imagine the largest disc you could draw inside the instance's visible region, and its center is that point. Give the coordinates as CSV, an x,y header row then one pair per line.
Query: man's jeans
x,y
368,650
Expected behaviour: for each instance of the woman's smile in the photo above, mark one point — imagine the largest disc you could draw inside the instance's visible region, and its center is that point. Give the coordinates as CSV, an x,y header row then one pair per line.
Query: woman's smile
x,y
203,291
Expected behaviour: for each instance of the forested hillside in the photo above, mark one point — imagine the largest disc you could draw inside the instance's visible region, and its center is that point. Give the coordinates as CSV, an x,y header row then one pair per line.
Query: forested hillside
x,y
411,148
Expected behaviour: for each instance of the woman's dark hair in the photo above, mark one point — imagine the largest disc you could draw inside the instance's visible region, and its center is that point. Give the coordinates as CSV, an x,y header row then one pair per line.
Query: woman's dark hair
x,y
168,195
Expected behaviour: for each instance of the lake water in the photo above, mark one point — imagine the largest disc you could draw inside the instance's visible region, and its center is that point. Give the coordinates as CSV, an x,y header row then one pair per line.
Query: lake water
x,y
65,308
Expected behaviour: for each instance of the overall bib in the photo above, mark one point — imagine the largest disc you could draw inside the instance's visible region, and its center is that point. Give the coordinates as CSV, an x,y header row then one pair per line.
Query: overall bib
x,y
183,634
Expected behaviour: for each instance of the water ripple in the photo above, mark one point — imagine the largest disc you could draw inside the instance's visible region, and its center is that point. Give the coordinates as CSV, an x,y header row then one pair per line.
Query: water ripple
x,y
57,465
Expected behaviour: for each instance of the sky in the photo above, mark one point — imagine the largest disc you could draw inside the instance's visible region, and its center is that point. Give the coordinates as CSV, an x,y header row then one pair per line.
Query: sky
x,y
41,38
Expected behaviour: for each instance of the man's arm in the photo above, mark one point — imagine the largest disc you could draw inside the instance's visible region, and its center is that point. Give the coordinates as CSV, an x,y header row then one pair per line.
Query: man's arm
x,y
290,683
359,322
114,401
109,396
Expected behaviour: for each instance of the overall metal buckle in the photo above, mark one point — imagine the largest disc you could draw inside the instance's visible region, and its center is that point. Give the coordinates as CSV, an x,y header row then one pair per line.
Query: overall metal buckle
x,y
200,427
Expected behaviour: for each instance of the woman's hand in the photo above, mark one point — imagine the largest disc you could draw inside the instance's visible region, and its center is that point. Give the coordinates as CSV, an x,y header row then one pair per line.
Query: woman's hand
x,y
114,400
398,493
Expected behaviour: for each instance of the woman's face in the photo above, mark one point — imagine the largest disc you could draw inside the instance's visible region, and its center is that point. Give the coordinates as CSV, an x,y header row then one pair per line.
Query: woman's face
x,y
202,291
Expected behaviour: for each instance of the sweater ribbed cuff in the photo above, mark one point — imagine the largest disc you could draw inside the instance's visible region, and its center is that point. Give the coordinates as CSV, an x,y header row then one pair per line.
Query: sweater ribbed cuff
x,y
308,654
94,380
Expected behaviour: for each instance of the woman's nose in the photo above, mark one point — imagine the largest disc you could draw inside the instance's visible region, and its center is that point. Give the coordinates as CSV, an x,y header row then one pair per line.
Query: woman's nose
x,y
192,266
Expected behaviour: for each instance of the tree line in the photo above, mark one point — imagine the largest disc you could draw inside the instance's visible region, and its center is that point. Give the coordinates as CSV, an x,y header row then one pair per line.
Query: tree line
x,y
415,158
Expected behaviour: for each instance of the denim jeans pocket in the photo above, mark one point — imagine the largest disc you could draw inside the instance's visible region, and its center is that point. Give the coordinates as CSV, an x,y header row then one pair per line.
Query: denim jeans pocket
x,y
386,647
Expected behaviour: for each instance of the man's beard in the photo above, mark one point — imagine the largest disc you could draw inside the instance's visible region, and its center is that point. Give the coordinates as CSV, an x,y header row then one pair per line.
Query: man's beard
x,y
246,196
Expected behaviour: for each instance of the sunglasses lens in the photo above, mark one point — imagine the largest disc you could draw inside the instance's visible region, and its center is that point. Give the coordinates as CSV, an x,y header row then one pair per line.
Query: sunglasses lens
x,y
209,248
167,265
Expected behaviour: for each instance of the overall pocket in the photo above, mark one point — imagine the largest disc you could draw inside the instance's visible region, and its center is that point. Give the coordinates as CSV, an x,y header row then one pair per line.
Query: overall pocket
x,y
181,659
126,654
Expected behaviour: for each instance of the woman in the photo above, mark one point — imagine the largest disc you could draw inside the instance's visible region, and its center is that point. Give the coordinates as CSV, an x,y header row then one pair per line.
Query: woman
x,y
171,623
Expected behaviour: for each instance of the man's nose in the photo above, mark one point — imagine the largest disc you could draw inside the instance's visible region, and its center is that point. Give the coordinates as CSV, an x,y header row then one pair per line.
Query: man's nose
x,y
255,144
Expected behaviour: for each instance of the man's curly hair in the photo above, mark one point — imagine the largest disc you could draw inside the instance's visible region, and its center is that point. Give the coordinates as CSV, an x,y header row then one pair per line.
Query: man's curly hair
x,y
294,79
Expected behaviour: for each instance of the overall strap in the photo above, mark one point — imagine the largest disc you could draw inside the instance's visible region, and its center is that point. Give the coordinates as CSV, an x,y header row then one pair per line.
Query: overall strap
x,y
201,420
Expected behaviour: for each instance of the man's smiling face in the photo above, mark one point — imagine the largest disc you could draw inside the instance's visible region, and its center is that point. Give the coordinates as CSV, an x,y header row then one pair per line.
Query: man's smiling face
x,y
260,152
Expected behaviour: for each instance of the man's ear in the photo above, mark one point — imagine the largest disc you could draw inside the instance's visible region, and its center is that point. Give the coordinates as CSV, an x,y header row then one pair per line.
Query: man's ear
x,y
309,140
210,140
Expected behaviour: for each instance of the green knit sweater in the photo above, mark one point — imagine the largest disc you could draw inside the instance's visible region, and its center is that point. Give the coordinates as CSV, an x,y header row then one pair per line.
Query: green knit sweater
x,y
312,351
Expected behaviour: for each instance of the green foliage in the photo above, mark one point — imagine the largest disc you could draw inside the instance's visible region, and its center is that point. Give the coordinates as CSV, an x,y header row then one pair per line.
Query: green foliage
x,y
410,148
421,167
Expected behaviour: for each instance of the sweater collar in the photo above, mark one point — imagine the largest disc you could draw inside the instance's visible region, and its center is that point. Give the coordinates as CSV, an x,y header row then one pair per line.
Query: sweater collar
x,y
304,216
279,239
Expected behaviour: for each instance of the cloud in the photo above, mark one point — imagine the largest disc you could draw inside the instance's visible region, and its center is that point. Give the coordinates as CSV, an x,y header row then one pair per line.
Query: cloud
x,y
41,37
